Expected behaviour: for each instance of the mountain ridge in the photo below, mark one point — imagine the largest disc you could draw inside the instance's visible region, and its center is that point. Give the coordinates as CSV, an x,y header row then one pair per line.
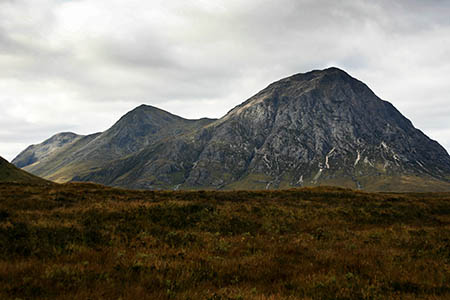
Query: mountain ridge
x,y
38,152
135,130
319,127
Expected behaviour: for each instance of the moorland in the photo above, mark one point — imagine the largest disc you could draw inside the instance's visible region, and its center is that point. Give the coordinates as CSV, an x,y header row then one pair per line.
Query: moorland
x,y
87,241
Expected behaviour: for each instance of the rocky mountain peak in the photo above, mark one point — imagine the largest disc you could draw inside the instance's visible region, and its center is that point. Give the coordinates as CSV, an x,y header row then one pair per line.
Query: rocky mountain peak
x,y
312,126
141,126
145,115
319,127
331,72
332,88
61,137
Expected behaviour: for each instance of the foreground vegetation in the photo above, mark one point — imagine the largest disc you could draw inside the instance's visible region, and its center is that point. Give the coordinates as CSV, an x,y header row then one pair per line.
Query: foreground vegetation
x,y
84,241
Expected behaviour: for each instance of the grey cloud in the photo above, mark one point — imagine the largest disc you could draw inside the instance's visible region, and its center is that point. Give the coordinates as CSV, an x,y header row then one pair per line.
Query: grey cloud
x,y
97,59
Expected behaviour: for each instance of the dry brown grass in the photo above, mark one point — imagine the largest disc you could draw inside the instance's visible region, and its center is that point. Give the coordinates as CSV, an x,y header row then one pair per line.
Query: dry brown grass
x,y
85,241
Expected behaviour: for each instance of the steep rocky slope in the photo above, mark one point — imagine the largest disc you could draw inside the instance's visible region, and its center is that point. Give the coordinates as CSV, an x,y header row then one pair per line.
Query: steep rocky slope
x,y
318,127
321,127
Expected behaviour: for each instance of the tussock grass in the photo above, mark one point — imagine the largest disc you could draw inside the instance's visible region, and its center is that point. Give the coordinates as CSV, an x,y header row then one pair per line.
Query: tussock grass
x,y
86,241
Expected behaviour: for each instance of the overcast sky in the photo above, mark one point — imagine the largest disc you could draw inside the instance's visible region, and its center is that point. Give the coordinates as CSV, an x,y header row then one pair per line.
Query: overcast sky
x,y
79,65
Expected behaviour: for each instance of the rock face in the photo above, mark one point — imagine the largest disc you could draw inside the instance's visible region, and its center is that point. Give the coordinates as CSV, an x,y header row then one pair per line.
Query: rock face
x,y
321,127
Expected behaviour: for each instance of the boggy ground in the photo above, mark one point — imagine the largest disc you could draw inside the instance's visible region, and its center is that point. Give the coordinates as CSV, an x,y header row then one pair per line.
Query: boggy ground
x,y
85,241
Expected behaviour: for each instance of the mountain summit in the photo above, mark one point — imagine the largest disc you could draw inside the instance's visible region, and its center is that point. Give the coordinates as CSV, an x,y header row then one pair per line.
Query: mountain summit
x,y
320,127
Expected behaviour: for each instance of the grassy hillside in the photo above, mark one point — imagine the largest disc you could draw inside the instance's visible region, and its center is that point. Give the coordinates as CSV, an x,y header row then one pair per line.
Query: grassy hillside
x,y
9,173
85,241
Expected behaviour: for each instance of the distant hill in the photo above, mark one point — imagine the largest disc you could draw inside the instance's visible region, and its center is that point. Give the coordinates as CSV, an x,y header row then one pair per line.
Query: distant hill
x,y
323,127
10,173
79,156
37,153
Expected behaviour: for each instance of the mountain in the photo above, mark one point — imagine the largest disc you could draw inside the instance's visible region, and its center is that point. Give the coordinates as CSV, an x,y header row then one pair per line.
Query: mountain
x,y
50,158
10,173
36,153
320,127
82,155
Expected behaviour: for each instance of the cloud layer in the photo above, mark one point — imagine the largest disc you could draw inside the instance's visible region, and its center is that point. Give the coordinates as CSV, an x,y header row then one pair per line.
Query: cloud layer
x,y
79,65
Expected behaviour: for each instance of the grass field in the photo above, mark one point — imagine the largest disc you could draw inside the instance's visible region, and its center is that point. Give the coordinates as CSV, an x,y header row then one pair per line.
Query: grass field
x,y
85,241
